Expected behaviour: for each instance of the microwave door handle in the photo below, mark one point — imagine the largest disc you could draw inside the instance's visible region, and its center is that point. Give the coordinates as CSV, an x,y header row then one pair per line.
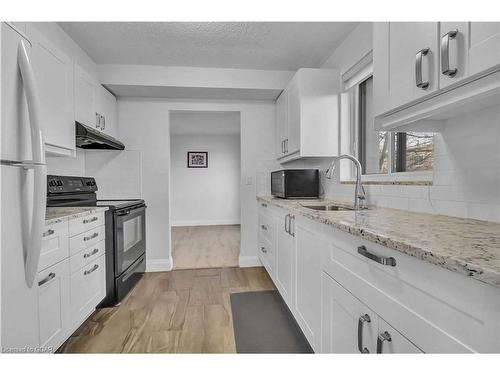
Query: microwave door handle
x,y
33,237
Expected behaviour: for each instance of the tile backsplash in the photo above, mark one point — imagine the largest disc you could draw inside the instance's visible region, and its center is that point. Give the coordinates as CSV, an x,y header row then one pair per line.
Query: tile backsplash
x,y
466,176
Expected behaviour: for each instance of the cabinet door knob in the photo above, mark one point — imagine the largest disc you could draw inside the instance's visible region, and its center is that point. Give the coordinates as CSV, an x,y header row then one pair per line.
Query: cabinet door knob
x,y
90,237
418,69
88,272
362,319
380,341
445,53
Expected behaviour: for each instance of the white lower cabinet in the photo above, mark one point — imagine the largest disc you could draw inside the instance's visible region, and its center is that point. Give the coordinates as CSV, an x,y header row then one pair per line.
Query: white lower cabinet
x,y
71,278
307,279
344,301
87,290
54,305
284,257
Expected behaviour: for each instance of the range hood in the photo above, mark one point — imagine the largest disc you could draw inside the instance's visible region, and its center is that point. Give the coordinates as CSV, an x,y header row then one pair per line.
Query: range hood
x,y
89,138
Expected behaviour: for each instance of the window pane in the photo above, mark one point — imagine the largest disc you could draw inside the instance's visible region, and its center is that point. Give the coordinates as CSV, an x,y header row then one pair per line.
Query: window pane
x,y
374,147
413,152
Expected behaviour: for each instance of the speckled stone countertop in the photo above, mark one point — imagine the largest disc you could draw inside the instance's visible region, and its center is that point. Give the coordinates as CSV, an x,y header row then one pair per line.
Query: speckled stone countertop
x,y
470,247
55,215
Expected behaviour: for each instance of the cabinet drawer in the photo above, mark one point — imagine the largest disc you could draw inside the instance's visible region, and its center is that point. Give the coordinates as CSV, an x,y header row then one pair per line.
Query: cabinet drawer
x,y
55,245
267,254
437,309
88,287
83,224
266,226
84,240
87,256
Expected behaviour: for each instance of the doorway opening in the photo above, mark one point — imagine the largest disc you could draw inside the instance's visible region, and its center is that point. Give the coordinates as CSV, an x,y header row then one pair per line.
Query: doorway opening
x,y
205,162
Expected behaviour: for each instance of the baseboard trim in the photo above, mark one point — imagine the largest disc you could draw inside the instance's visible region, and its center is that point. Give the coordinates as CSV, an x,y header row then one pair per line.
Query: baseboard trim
x,y
249,261
159,265
193,223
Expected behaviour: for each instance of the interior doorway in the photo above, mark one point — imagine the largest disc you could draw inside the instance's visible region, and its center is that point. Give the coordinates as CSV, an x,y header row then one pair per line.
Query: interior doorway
x,y
205,162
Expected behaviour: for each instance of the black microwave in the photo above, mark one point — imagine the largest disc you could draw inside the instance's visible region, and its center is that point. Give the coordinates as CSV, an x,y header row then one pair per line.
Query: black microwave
x,y
295,183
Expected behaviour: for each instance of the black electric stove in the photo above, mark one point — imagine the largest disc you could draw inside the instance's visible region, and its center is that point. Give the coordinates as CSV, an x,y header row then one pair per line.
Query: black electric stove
x,y
125,222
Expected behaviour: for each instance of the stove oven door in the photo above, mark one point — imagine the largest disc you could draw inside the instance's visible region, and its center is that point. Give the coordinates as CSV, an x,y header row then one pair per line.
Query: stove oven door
x,y
130,240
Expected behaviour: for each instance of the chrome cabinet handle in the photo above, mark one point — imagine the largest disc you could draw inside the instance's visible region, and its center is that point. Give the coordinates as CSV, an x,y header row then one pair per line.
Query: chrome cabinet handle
x,y
286,146
418,69
87,221
263,249
97,120
445,53
49,277
263,204
286,221
292,217
103,122
282,146
385,261
264,227
87,255
88,272
90,237
362,319
48,233
380,341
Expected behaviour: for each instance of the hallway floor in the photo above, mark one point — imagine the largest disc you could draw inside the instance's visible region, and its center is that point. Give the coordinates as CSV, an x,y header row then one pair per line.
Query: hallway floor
x,y
208,246
182,311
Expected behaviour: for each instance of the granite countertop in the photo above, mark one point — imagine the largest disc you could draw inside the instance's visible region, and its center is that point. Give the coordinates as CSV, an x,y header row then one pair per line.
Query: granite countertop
x,y
55,215
470,247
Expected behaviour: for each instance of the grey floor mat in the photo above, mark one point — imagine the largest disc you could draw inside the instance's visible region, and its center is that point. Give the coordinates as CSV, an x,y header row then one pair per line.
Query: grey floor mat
x,y
263,324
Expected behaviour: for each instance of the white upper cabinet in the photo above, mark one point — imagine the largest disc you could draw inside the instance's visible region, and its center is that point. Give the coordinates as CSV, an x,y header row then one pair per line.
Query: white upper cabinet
x,y
85,98
54,77
307,115
413,61
107,111
94,105
484,46
426,72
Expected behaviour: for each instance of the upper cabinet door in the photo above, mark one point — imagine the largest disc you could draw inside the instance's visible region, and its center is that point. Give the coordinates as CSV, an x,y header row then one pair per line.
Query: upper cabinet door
x,y
106,109
54,77
413,61
292,144
454,42
484,50
281,123
85,98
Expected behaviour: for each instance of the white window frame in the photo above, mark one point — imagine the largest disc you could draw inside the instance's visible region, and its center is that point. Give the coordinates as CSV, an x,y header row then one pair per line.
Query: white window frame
x,y
354,76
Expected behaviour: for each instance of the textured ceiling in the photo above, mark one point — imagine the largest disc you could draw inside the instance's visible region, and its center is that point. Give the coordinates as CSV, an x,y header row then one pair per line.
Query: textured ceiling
x,y
244,45
204,122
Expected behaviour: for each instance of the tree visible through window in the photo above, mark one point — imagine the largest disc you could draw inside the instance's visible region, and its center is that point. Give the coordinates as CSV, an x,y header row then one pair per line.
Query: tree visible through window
x,y
386,152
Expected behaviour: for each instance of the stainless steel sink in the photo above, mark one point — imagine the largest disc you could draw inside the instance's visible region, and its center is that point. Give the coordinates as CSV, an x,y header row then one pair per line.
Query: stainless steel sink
x,y
327,207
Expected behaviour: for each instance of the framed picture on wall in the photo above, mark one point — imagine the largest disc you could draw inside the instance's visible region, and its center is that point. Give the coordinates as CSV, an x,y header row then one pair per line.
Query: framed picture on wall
x,y
197,159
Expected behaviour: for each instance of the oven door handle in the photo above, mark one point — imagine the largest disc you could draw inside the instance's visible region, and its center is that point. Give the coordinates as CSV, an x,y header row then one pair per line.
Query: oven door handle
x,y
127,212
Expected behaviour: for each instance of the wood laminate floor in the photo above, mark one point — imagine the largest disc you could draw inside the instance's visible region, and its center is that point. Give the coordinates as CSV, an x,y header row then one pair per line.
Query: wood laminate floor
x,y
181,311
206,246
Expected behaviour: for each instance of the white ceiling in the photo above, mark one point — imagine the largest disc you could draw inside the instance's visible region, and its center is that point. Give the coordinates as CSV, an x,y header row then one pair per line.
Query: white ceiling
x,y
204,123
244,45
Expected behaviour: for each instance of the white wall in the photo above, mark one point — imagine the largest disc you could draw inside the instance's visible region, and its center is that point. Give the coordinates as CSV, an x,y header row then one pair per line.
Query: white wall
x,y
205,196
144,126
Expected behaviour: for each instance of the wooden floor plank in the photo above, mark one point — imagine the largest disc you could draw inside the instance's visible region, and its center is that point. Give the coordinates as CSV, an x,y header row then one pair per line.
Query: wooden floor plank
x,y
181,311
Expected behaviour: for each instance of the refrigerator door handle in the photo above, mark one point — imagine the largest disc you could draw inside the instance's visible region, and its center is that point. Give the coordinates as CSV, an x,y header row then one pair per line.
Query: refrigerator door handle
x,y
33,238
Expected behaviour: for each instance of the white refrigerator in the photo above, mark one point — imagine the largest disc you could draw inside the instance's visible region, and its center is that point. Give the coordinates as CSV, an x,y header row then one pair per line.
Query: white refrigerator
x,y
23,193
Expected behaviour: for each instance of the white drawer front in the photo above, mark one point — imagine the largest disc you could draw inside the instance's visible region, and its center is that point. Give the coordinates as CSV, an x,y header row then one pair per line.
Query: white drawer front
x,y
55,245
84,240
88,288
83,224
267,254
87,256
266,226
